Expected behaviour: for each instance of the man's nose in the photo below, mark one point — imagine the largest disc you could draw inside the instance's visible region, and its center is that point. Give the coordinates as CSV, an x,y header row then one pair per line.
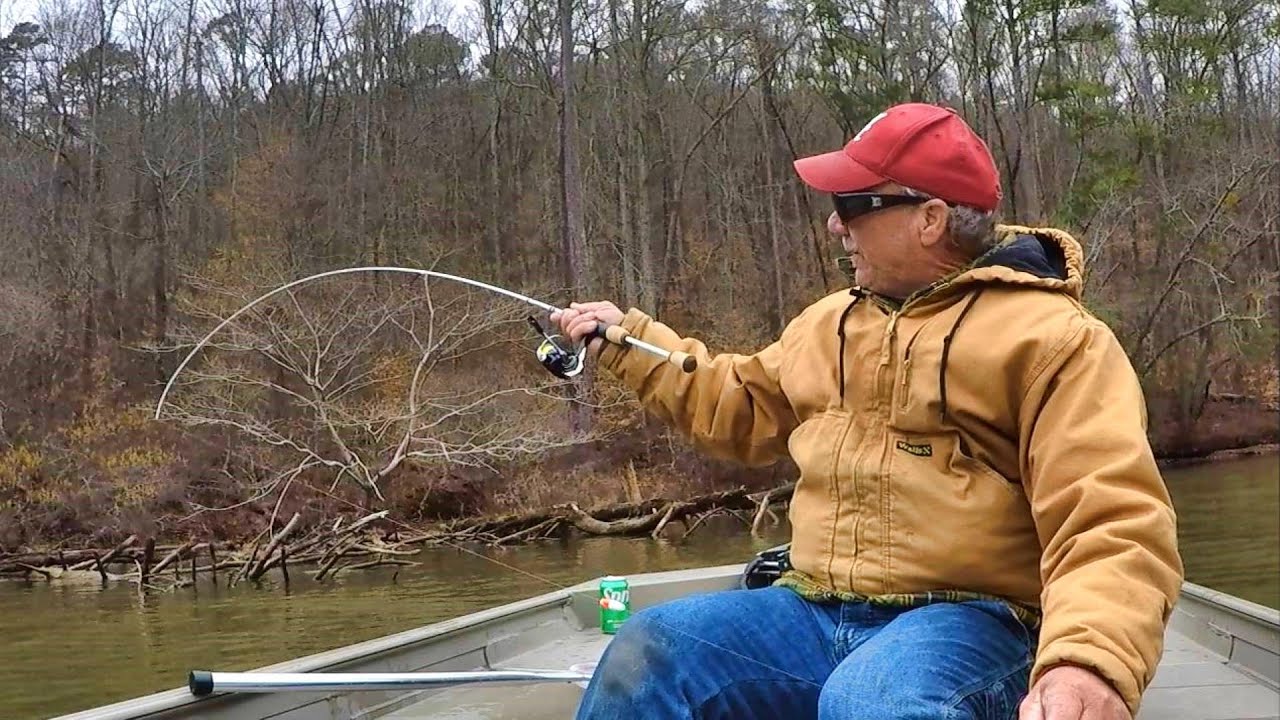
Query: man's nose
x,y
834,226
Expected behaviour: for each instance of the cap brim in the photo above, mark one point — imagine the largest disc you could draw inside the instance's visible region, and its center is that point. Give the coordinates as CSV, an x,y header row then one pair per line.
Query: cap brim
x,y
836,172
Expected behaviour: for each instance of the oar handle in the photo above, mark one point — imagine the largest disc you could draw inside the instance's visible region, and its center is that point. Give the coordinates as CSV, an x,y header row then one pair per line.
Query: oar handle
x,y
204,682
618,335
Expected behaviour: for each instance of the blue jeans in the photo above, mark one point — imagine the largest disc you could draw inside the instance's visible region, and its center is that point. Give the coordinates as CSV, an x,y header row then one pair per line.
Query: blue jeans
x,y
769,653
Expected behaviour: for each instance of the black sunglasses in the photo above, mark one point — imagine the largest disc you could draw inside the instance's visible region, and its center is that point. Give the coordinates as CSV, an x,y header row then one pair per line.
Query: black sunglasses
x,y
856,204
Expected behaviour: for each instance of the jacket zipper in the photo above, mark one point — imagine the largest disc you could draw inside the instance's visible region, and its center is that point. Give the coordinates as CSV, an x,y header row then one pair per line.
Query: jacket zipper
x,y
835,484
877,391
906,369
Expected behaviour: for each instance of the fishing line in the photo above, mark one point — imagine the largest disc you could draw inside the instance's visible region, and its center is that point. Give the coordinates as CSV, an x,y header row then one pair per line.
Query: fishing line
x,y
558,586
547,353
406,526
553,354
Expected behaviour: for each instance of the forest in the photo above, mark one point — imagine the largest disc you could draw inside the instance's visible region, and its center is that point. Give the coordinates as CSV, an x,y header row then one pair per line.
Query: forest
x,y
164,162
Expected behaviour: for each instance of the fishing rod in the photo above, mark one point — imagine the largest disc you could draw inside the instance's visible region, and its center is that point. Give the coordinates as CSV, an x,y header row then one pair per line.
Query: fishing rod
x,y
204,682
554,353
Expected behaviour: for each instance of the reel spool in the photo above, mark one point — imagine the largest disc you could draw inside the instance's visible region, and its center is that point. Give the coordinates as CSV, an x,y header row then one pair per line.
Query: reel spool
x,y
557,355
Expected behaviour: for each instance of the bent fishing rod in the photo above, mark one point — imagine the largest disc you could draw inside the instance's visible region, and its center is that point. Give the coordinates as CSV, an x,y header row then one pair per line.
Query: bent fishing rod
x,y
554,353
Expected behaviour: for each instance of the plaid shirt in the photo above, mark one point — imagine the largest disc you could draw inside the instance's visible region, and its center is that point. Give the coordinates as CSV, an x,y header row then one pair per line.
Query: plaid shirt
x,y
810,589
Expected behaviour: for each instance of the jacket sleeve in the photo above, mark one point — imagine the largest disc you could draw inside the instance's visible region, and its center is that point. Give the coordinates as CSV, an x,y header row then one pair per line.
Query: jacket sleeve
x,y
1110,566
732,406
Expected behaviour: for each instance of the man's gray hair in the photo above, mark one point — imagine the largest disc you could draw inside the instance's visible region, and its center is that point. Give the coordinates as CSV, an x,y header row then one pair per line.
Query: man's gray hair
x,y
972,230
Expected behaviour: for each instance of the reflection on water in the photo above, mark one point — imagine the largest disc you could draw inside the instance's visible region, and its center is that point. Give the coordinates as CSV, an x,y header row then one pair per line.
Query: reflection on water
x,y
68,647
1229,525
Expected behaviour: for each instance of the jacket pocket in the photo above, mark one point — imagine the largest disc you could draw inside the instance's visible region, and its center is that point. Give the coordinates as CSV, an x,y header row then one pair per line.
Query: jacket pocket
x,y
818,501
956,522
968,463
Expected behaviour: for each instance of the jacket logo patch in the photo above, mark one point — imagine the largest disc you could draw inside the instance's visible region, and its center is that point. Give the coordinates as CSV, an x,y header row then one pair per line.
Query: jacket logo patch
x,y
917,449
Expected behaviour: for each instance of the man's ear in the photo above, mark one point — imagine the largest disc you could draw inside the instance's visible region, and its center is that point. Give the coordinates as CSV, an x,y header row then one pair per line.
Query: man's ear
x,y
932,218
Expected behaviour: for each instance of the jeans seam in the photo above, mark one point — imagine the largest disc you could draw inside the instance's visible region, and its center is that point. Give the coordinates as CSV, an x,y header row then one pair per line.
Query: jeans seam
x,y
837,651
788,676
967,692
697,712
1026,632
1031,643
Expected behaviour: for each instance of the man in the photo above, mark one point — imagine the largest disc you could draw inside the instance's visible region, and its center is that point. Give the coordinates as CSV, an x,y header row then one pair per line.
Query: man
x,y
978,510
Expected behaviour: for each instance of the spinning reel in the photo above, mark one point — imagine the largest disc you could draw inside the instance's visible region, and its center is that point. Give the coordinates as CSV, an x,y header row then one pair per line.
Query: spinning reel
x,y
557,355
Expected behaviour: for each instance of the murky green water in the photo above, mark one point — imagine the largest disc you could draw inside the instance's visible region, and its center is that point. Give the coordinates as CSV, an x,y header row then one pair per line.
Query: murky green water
x,y
1229,526
65,648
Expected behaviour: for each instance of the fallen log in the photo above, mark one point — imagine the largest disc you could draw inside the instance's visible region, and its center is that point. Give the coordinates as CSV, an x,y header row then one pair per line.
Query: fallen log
x,y
337,551
49,559
761,512
32,568
104,559
548,526
625,526
148,557
330,544
261,566
243,572
362,522
173,556
666,518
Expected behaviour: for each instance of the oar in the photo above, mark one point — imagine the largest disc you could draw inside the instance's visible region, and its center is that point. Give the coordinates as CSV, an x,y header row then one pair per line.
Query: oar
x,y
204,682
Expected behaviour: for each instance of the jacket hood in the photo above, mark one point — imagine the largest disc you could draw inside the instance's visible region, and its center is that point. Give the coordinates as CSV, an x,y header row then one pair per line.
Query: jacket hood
x,y
1043,258
1047,258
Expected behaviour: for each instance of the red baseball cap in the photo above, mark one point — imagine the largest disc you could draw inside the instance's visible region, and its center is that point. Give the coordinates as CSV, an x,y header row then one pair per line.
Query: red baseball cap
x,y
924,147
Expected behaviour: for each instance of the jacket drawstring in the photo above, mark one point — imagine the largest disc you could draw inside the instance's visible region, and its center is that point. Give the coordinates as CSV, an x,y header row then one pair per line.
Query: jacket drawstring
x,y
857,294
946,350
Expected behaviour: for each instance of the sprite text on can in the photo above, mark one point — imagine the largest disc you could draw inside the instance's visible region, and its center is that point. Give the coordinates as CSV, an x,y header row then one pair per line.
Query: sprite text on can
x,y
615,603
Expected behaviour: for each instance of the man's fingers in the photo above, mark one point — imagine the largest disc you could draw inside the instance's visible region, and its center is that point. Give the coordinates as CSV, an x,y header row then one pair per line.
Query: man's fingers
x,y
580,320
1031,708
582,325
590,306
1062,706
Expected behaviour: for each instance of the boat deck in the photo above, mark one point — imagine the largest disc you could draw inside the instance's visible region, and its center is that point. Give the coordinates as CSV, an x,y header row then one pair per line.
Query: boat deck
x,y
1192,683
1221,662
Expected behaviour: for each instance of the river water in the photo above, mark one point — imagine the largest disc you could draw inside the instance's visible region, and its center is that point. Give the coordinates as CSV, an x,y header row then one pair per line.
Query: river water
x,y
66,647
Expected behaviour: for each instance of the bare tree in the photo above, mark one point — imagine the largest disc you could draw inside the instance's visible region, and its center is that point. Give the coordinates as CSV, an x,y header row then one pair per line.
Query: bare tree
x,y
360,382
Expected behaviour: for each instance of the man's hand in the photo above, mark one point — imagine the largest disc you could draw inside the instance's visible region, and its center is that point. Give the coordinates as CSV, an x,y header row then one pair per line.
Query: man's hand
x,y
1067,692
579,320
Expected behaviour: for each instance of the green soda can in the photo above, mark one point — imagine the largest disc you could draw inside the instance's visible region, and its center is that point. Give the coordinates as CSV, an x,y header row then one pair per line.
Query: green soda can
x,y
615,603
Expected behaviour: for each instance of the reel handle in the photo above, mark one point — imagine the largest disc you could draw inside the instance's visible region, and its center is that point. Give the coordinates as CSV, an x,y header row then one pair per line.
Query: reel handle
x,y
618,335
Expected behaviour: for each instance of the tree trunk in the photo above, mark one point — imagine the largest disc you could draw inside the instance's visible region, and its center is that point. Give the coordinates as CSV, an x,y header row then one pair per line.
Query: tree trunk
x,y
573,239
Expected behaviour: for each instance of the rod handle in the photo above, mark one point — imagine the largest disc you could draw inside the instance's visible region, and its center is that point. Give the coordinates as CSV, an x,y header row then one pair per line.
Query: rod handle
x,y
683,360
618,335
615,334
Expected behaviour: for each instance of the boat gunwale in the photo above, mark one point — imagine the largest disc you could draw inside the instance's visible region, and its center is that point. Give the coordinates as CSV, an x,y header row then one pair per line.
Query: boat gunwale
x,y
1245,634
177,698
1245,609
576,602
1242,632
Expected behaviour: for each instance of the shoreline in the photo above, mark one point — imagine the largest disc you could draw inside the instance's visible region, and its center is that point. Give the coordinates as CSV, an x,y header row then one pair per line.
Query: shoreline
x,y
623,471
495,529
1264,448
